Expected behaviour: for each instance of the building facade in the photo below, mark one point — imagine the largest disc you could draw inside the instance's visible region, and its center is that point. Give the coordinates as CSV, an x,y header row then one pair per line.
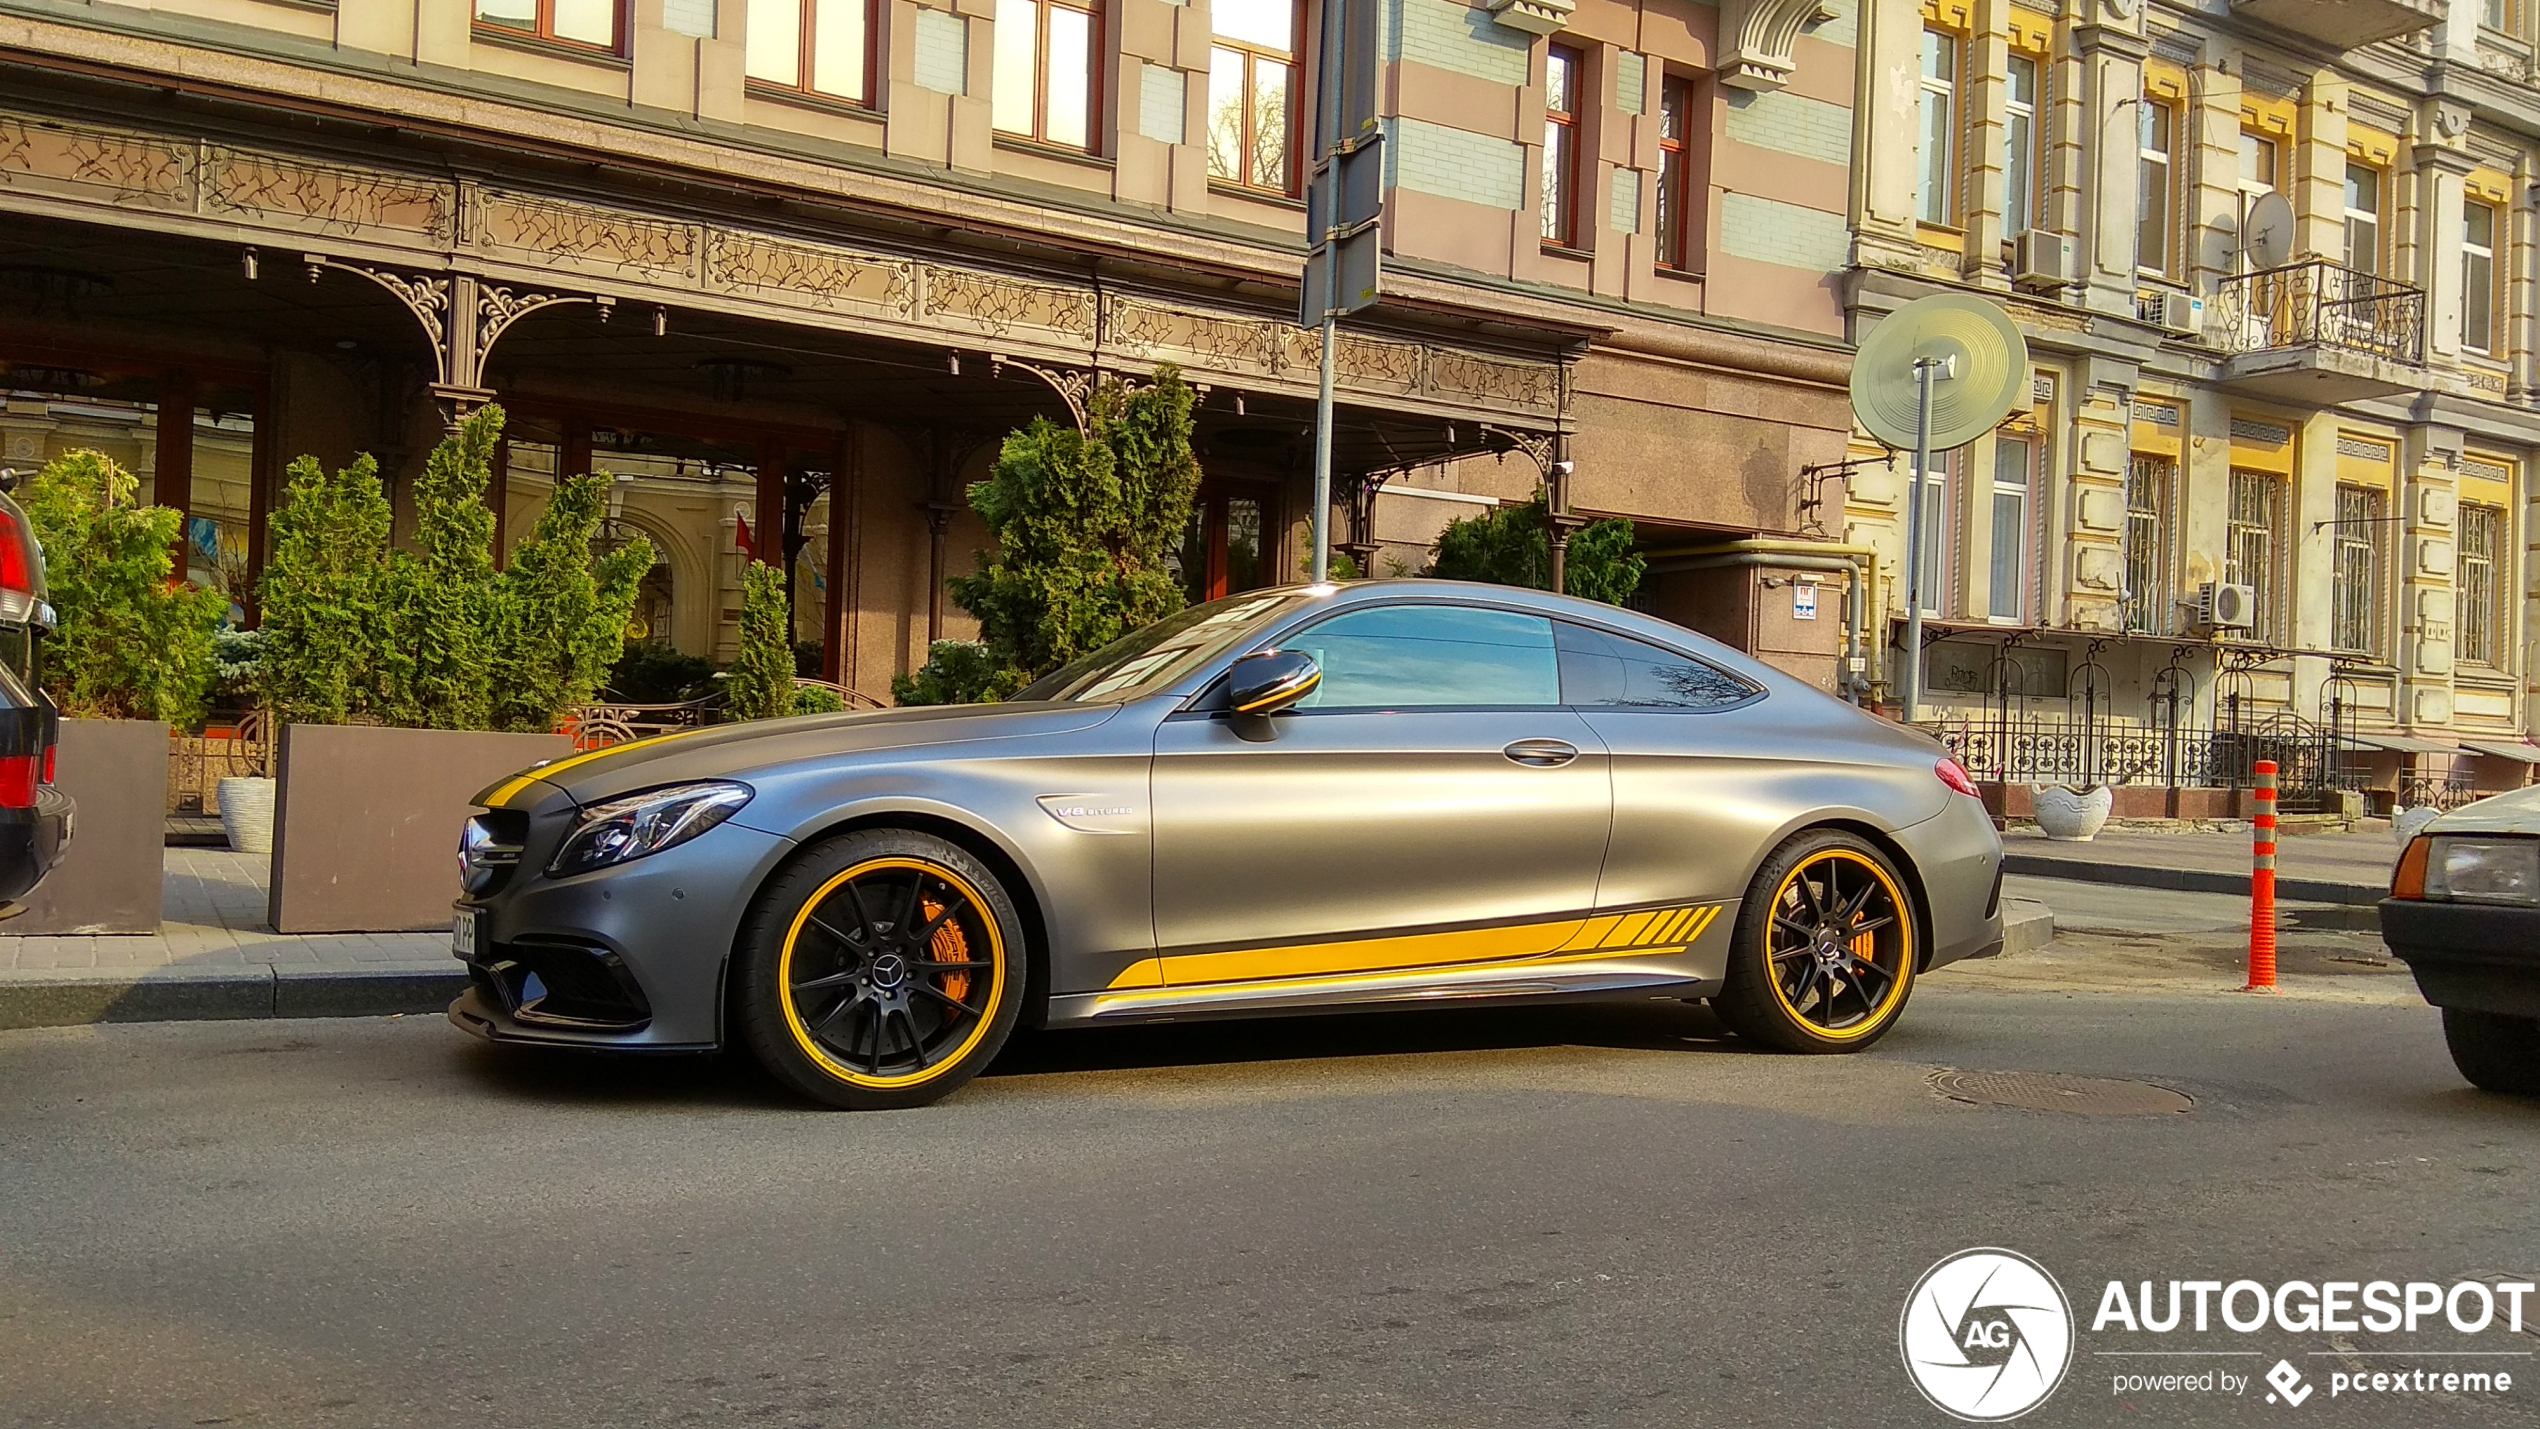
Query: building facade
x,y
2274,263
789,269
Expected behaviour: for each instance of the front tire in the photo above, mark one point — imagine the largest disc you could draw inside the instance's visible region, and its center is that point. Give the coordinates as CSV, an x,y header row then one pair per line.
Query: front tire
x,y
1827,943
883,970
2497,1053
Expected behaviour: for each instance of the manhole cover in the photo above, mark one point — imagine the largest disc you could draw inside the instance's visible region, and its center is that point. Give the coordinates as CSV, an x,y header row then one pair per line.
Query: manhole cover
x,y
2053,1091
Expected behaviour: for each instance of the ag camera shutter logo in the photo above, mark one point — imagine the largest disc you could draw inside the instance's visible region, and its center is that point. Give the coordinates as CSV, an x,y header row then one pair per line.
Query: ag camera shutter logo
x,y
1987,1335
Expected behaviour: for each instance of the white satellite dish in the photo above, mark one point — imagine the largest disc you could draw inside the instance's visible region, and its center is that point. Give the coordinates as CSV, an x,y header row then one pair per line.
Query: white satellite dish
x,y
2267,241
1936,373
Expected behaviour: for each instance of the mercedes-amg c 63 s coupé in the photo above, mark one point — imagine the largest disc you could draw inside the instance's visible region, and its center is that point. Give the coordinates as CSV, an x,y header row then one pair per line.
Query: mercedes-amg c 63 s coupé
x,y
1378,795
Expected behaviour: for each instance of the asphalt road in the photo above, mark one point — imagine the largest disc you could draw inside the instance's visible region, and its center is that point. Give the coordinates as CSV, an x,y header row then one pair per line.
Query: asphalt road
x,y
1605,1216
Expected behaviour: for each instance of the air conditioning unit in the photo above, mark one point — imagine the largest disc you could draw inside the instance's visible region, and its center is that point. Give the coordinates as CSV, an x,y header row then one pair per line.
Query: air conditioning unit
x,y
2175,312
2227,607
2043,261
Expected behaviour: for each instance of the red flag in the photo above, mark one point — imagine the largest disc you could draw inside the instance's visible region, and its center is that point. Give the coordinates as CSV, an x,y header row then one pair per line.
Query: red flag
x,y
741,537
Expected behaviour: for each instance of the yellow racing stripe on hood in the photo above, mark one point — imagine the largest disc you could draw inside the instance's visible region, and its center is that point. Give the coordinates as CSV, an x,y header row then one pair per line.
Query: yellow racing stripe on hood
x,y
520,782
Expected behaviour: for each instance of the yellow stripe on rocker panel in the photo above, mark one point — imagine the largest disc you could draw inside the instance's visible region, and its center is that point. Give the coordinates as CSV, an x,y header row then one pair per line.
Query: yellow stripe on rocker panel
x,y
1413,950
1662,931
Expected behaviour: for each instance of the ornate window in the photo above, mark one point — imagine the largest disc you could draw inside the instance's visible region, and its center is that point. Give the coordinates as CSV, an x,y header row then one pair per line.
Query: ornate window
x,y
592,24
2023,147
1563,73
2478,276
2363,217
2014,468
2260,159
2483,621
2150,492
822,47
1936,132
1252,88
1043,85
2254,545
1677,247
2356,571
2156,189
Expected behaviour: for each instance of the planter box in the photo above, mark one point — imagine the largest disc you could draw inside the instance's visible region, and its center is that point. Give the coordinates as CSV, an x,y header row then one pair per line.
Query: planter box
x,y
109,881
366,824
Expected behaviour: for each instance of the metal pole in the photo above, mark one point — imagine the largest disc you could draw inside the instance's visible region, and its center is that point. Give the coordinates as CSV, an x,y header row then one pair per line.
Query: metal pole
x,y
1326,220
1912,698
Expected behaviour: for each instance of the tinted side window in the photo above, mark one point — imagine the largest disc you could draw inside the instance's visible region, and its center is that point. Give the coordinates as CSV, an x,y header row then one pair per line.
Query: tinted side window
x,y
1414,656
1598,668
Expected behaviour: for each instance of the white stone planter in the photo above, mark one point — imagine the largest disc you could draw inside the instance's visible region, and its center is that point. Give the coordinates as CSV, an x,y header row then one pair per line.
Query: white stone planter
x,y
2406,824
2071,815
246,814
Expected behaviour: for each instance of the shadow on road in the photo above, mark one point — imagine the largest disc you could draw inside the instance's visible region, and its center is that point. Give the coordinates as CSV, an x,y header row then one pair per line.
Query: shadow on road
x,y
733,1080
1638,1025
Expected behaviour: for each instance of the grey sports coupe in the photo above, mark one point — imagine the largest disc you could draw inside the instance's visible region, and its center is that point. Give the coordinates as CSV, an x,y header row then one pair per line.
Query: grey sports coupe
x,y
1389,794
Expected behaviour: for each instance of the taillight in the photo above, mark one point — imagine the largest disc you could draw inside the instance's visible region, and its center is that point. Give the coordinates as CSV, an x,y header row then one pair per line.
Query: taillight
x,y
17,780
1953,775
17,570
48,761
2408,879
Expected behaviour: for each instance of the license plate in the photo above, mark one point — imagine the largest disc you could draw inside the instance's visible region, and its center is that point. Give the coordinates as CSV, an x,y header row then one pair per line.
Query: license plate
x,y
463,934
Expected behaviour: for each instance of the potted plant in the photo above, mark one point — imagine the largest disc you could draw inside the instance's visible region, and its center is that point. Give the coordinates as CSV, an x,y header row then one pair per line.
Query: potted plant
x,y
131,654
406,681
2071,813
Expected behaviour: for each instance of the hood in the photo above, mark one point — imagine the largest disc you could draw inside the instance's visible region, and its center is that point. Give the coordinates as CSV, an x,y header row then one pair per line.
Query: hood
x,y
2517,812
736,751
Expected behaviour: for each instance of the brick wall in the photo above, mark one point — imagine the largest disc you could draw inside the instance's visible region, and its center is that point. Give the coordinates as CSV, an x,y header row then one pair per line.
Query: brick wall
x,y
1767,231
1454,163
943,52
1792,124
1451,36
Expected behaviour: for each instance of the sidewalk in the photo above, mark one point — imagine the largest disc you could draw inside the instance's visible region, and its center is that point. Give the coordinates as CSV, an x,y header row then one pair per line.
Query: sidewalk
x,y
2316,868
214,957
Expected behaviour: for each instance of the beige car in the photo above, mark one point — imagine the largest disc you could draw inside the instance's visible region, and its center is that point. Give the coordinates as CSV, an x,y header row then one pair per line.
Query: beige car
x,y
1380,795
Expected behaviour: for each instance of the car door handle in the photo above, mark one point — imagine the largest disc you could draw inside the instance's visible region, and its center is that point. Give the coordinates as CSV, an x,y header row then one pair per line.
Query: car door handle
x,y
1542,753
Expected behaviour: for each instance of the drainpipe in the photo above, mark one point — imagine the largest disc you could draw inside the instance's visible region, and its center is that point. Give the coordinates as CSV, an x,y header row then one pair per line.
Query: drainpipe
x,y
1859,562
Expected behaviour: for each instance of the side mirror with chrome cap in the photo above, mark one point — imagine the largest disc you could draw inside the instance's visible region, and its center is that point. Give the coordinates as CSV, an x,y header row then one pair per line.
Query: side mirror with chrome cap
x,y
1268,681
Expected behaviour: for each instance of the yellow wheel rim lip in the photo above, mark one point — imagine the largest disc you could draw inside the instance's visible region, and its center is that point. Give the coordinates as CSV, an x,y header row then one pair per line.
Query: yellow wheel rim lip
x,y
1877,1016
793,938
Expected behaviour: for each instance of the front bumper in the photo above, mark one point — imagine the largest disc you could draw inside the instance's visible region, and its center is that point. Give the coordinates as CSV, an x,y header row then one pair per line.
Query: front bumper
x,y
2479,957
658,931
33,840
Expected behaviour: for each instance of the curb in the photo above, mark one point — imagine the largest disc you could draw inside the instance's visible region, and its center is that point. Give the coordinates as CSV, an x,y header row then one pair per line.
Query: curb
x,y
203,994
2027,925
2189,880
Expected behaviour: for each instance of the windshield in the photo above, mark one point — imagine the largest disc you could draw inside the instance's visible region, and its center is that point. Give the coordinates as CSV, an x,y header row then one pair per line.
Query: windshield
x,y
1148,660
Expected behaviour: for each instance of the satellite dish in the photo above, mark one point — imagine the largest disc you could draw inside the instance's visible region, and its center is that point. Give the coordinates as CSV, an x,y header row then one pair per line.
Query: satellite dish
x,y
1985,375
2267,237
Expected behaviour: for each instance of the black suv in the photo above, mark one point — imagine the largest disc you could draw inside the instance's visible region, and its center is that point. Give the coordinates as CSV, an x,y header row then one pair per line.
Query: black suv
x,y
35,817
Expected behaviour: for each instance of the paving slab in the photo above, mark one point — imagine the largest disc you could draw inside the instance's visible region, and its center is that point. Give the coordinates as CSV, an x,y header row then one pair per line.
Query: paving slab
x,y
2337,868
214,958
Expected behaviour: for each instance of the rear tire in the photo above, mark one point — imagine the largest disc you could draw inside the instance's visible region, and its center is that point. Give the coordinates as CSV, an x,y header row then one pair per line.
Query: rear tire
x,y
883,970
2497,1053
1827,943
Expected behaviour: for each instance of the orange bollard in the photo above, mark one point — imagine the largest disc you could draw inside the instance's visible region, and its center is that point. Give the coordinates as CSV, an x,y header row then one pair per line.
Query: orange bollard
x,y
2262,885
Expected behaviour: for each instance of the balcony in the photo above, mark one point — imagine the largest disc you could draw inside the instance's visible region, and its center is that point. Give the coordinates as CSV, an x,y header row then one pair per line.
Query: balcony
x,y
2344,24
2319,333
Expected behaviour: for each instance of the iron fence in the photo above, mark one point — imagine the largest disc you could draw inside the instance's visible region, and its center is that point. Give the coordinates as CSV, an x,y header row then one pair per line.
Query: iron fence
x,y
2319,302
2035,749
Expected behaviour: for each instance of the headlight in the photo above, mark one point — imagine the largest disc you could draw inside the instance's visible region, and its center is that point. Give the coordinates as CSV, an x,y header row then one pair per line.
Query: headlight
x,y
2484,870
644,823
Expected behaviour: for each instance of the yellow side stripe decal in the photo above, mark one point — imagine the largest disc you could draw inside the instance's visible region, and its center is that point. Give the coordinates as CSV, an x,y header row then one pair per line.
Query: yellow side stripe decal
x,y
1658,931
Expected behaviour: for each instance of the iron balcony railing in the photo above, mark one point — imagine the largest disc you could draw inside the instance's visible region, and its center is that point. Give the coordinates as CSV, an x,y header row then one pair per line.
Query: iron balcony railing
x,y
1996,748
2319,303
